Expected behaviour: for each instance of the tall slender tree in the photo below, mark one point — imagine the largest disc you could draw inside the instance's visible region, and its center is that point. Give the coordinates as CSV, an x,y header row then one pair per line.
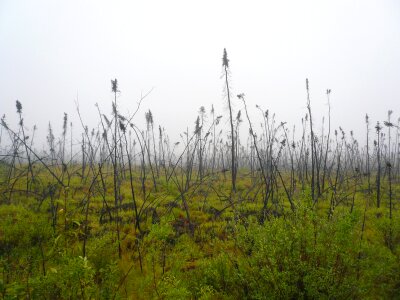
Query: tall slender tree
x,y
225,65
378,128
114,89
312,144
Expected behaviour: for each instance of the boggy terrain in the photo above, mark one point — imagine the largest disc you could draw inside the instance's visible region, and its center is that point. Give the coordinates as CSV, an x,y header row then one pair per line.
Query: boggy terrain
x,y
132,216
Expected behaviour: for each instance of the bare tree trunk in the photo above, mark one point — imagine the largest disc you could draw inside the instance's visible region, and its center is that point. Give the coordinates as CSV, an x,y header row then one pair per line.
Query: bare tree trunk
x,y
312,145
233,164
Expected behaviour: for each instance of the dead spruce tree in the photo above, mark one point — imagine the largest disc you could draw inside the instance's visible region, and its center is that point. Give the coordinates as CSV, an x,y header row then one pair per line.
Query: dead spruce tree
x,y
378,128
225,65
312,145
25,138
368,169
114,89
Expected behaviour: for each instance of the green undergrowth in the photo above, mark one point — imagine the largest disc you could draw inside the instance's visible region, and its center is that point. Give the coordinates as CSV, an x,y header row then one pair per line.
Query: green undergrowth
x,y
226,251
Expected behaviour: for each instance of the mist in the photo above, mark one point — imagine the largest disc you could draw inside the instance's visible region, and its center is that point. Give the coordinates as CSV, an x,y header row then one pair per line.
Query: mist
x,y
57,55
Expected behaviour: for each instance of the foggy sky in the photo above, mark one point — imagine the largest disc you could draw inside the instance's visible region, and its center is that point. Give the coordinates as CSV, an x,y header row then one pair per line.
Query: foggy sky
x,y
54,54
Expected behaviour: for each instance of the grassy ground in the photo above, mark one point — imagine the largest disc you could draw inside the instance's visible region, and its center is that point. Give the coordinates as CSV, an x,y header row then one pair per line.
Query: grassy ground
x,y
60,243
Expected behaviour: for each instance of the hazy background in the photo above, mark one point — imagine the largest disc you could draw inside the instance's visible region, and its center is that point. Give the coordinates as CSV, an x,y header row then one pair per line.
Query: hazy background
x,y
55,52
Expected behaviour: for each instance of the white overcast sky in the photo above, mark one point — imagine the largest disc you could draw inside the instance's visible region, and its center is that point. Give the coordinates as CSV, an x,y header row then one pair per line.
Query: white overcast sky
x,y
53,51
